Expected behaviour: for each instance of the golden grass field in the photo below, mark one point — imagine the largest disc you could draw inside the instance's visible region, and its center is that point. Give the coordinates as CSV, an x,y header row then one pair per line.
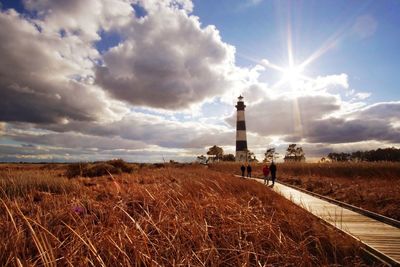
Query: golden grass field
x,y
372,186
167,216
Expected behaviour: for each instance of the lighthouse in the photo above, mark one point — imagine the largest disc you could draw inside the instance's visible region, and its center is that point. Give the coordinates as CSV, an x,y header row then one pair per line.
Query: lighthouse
x,y
241,139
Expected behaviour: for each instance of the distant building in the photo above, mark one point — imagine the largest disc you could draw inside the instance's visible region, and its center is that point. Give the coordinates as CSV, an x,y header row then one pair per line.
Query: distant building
x,y
241,138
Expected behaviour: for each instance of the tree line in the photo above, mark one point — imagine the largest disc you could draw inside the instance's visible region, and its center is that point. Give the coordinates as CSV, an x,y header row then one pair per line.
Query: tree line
x,y
216,154
380,154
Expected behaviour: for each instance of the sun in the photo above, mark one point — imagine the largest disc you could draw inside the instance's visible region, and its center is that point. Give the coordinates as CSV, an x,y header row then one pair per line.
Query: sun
x,y
293,75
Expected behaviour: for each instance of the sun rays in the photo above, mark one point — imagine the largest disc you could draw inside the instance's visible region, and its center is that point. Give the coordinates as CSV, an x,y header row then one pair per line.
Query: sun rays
x,y
292,78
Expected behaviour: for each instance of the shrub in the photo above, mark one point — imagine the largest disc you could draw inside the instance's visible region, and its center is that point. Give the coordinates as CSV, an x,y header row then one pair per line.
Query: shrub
x,y
100,169
116,166
121,164
76,169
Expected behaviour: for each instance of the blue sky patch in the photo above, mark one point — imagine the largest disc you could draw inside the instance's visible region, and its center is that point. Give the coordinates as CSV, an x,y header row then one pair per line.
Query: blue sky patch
x,y
107,41
140,12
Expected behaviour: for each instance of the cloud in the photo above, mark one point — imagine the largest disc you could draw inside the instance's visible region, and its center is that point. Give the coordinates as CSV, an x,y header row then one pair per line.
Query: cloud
x,y
79,141
167,61
125,138
12,153
46,78
287,115
316,115
330,82
174,64
52,89
347,131
388,111
153,130
365,26
81,18
154,5
63,100
2,128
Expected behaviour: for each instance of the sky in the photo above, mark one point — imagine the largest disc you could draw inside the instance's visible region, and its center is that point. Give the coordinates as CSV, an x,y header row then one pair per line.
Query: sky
x,y
155,80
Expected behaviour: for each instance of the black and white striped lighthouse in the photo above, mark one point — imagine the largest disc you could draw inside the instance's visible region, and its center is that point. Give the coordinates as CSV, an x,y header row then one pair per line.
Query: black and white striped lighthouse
x,y
241,139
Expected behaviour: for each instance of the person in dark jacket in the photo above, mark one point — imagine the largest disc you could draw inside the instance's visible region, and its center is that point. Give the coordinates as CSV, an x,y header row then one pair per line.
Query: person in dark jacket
x,y
272,169
249,171
243,168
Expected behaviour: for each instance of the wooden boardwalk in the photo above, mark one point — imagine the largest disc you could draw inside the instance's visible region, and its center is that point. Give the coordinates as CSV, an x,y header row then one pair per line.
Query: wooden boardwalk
x,y
379,238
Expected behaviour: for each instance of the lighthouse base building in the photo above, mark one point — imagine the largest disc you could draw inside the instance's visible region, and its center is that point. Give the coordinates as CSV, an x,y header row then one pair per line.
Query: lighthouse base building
x,y
241,139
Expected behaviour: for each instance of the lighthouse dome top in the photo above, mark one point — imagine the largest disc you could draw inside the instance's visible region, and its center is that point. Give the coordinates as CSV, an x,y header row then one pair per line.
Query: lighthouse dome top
x,y
240,104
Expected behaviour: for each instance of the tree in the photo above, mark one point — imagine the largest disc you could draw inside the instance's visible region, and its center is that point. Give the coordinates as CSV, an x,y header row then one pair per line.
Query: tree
x,y
228,157
215,153
381,154
270,155
299,153
339,156
291,150
294,153
251,157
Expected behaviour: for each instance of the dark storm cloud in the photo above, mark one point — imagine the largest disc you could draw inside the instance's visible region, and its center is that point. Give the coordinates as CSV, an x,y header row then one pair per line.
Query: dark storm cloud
x,y
348,131
40,76
31,106
385,110
374,122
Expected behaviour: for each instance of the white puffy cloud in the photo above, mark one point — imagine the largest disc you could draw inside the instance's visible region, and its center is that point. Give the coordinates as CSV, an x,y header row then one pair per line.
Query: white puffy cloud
x,y
81,18
154,5
167,60
331,82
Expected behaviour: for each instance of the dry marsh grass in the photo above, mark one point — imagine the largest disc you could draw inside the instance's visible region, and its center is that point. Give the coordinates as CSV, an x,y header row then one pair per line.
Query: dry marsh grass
x,y
371,185
168,216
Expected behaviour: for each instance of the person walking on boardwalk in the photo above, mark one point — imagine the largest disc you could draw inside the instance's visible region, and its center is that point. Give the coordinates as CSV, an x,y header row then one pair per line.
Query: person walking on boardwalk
x,y
248,170
272,169
266,173
243,168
